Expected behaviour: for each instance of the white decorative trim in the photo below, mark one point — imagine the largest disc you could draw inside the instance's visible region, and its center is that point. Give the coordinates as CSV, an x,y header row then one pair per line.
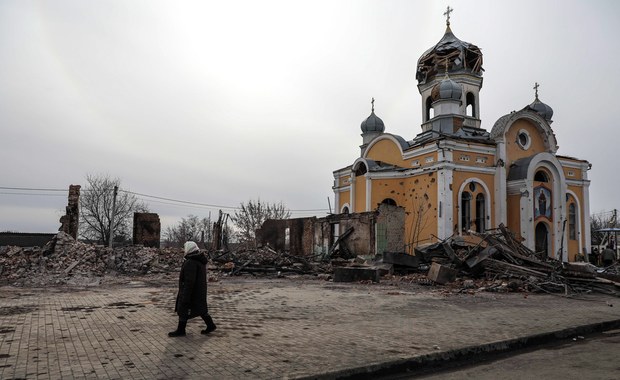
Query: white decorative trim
x,y
445,206
343,207
586,217
352,193
528,142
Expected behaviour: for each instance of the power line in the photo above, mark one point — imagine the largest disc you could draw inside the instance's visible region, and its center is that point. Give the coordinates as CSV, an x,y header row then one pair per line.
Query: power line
x,y
177,201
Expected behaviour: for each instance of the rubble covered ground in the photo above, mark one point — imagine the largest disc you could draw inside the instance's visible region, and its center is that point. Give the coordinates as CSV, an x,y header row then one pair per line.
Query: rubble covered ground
x,y
494,262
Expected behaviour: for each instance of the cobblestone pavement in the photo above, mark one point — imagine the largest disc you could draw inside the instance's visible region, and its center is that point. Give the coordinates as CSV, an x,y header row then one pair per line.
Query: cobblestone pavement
x,y
267,329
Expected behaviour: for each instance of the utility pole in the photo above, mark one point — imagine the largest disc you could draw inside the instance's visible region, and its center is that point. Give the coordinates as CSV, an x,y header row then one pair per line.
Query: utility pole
x,y
112,217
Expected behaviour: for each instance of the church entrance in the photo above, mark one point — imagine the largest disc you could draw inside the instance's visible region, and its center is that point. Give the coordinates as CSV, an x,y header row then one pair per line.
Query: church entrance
x,y
542,239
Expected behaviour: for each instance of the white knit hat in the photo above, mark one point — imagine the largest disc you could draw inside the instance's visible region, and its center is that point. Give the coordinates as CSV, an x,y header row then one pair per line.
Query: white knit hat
x,y
190,247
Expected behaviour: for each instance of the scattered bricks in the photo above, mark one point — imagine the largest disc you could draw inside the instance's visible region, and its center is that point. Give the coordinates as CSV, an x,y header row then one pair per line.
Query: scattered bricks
x,y
354,274
441,274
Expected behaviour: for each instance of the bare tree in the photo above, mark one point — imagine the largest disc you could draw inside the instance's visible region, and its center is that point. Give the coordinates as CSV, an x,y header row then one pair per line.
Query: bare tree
x,y
96,203
600,221
190,228
252,215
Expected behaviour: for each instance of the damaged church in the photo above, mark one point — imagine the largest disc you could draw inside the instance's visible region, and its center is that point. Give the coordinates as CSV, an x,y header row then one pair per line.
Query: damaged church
x,y
455,177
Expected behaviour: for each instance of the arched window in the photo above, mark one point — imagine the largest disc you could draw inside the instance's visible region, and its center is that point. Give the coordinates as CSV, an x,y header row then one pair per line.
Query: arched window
x,y
480,213
389,201
465,211
429,109
572,222
345,210
470,106
361,170
541,176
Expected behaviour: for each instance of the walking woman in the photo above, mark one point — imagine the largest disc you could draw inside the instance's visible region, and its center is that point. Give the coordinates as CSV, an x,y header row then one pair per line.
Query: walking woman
x,y
192,297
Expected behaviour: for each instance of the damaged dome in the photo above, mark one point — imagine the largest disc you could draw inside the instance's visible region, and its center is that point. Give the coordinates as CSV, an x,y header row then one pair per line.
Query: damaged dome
x,y
457,55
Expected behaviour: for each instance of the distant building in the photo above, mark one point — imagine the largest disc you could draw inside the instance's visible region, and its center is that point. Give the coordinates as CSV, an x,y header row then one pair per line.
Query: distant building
x,y
455,176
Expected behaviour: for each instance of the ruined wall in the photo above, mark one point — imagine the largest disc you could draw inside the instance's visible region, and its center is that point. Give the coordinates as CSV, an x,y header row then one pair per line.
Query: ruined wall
x,y
146,229
390,229
297,240
70,221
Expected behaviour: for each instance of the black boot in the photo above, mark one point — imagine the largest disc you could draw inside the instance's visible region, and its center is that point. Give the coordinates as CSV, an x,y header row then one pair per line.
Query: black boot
x,y
180,331
210,325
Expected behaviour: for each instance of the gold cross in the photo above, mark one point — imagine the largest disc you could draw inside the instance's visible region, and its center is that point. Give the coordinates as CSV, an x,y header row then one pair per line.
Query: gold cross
x,y
447,13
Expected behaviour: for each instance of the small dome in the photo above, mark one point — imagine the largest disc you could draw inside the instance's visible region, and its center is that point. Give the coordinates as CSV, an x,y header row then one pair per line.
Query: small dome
x,y
373,124
447,89
540,108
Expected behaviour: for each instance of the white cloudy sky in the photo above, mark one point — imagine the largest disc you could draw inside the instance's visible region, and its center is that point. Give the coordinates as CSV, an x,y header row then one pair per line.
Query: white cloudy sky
x,y
221,102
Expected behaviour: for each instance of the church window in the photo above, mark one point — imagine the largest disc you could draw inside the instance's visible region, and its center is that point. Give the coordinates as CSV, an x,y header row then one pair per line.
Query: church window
x,y
464,158
465,211
480,213
523,139
572,222
345,210
471,104
541,176
472,186
429,109
571,173
361,170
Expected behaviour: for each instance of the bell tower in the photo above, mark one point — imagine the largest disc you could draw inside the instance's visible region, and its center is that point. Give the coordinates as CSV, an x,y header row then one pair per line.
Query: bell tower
x,y
462,63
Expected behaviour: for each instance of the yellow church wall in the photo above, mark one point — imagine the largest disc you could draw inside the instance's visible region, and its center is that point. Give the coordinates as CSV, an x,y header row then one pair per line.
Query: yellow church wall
x,y
418,195
574,244
360,194
514,212
386,151
514,150
345,197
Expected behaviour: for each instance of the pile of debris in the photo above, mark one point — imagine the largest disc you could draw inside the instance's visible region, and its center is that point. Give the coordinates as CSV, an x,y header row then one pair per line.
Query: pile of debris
x,y
64,259
265,260
500,258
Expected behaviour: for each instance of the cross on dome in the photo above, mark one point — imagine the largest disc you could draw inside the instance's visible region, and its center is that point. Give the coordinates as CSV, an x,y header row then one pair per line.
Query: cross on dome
x,y
536,85
447,13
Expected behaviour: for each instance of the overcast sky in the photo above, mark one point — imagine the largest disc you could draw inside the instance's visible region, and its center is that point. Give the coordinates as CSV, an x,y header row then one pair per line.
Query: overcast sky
x,y
221,102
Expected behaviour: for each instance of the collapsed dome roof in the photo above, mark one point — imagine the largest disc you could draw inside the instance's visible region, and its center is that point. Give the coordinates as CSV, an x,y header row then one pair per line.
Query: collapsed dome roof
x,y
460,56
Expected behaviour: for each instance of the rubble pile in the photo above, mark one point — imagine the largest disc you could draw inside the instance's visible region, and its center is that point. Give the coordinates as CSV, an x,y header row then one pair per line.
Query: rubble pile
x,y
266,260
64,259
508,265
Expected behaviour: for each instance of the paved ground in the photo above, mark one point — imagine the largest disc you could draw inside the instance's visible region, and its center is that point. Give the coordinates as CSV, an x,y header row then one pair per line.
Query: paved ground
x,y
270,329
